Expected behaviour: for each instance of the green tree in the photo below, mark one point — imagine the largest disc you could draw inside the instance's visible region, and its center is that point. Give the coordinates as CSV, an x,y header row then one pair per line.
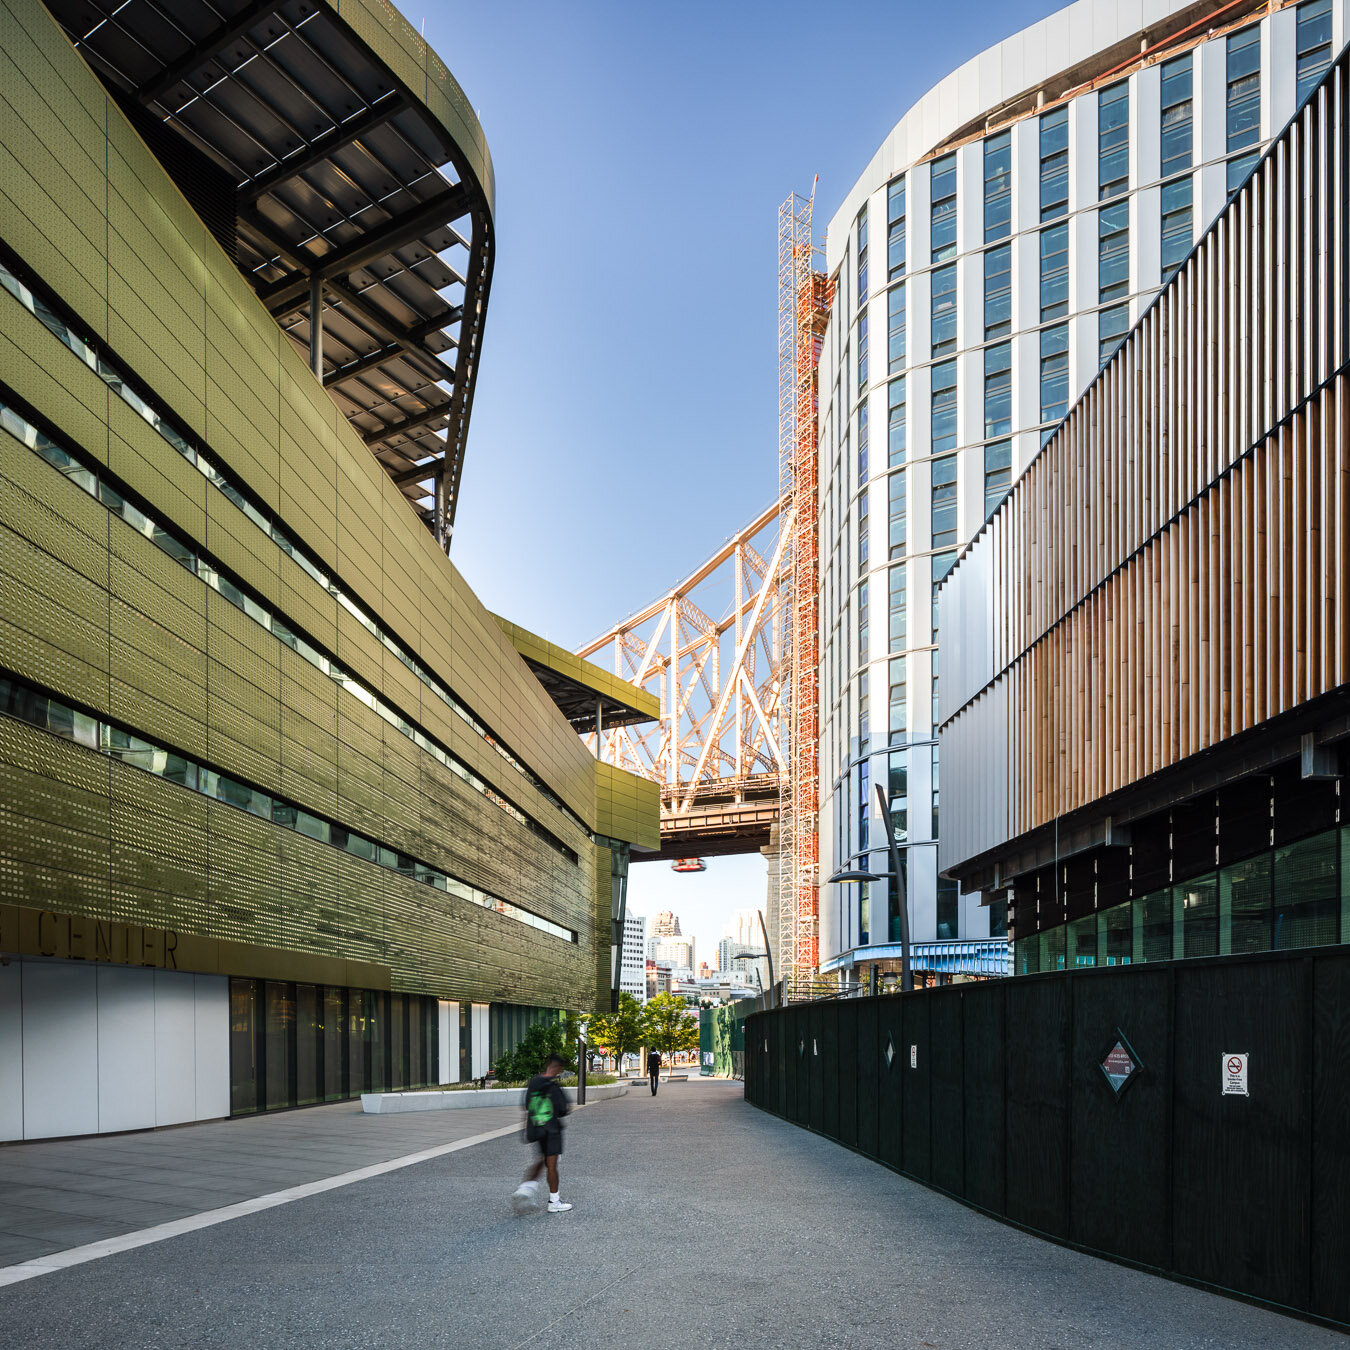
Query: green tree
x,y
529,1057
668,1026
620,1033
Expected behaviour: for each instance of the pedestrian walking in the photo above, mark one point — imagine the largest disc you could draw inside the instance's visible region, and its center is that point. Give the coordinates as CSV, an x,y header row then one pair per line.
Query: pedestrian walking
x,y
654,1068
545,1106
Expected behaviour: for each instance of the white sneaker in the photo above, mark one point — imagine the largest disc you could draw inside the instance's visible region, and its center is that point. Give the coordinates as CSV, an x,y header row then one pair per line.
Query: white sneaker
x,y
558,1206
525,1198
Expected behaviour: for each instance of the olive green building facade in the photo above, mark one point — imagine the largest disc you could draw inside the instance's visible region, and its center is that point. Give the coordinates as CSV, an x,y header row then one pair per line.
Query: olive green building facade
x,y
273,783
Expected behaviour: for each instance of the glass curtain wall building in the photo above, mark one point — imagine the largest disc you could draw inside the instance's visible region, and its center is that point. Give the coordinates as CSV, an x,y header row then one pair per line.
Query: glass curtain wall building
x,y
1030,207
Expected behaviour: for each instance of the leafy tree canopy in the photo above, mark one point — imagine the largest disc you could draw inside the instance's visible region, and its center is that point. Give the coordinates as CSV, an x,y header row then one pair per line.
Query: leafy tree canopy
x,y
621,1032
669,1026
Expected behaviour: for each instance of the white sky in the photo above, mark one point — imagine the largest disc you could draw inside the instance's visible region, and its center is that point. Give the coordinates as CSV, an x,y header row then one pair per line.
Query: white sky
x,y
704,901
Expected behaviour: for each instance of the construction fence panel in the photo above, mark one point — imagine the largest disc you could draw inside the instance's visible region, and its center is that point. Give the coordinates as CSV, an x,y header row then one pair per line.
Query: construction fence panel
x,y
846,1077
915,1094
891,1039
1221,1156
865,1071
829,1071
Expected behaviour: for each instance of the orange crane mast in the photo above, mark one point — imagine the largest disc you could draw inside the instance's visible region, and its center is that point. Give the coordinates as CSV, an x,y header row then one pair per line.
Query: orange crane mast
x,y
804,298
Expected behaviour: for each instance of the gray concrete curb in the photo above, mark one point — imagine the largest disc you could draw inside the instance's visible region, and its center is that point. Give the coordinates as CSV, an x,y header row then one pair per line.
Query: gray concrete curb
x,y
390,1103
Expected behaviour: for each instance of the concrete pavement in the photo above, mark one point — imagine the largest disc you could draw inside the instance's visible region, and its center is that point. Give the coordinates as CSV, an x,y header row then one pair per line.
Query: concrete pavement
x,y
698,1220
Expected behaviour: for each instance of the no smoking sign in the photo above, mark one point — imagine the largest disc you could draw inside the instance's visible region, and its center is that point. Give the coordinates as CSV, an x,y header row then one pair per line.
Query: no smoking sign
x,y
1235,1075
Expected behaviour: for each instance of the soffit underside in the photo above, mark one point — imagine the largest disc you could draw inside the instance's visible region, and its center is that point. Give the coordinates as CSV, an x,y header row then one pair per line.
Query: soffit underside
x,y
337,171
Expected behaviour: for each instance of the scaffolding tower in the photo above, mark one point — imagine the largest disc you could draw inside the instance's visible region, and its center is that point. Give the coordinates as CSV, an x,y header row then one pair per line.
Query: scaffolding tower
x,y
804,295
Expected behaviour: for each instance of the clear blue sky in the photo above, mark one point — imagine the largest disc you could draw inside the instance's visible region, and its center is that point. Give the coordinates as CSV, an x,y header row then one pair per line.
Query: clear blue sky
x,y
626,417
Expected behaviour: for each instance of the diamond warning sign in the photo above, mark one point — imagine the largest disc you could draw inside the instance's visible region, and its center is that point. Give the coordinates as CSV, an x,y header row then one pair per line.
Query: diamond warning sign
x,y
1118,1065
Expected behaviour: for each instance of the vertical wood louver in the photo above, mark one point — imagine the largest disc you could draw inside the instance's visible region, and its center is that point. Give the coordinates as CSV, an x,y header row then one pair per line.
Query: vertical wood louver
x,y
1170,571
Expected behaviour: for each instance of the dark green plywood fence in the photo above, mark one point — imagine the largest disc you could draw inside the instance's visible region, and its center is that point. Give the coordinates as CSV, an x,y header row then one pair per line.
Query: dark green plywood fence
x,y
721,1039
995,1094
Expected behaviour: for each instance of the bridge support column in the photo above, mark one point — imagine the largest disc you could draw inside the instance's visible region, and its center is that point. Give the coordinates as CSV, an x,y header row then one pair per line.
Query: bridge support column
x,y
770,854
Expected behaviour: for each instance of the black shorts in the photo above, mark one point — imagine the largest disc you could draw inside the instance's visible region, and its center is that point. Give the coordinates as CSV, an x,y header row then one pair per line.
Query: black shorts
x,y
550,1143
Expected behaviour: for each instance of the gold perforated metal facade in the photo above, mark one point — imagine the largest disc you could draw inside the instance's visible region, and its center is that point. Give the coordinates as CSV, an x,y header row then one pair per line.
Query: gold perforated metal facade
x,y
201,562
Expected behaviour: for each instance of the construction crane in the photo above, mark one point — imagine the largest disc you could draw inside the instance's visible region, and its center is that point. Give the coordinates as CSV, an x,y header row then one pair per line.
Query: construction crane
x,y
804,297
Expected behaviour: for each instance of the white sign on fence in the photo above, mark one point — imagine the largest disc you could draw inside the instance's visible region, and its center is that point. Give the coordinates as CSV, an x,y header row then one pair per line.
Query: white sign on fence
x,y
1235,1076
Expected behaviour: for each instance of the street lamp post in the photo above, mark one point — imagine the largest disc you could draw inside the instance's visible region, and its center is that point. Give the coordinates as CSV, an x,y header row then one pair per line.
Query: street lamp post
x,y
581,1064
768,949
755,956
906,974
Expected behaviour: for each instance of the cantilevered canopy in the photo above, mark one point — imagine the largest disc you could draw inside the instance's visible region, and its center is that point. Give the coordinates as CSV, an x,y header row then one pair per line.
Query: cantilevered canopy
x,y
580,689
347,156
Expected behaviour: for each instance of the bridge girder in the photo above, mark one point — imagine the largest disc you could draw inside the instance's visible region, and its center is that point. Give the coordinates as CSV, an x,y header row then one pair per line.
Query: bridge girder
x,y
720,734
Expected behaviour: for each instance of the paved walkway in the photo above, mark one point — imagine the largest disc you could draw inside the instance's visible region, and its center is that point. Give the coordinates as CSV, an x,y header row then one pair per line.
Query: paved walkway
x,y
70,1192
698,1220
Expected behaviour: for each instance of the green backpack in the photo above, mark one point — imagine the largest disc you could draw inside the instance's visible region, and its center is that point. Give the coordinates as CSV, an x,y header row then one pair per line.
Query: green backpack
x,y
539,1114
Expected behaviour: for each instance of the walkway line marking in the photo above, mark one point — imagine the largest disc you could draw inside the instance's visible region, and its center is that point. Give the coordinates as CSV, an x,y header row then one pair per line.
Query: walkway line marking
x,y
143,1237
585,1302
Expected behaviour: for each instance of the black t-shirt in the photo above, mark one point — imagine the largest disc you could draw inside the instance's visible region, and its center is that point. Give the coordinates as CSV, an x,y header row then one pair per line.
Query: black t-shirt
x,y
653,1062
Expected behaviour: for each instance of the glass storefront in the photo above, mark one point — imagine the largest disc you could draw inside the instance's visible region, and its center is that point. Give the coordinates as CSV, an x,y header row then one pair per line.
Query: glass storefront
x,y
1297,895
300,1044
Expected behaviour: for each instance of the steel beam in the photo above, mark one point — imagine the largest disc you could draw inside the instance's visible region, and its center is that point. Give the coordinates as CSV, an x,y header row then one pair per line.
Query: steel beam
x,y
209,47
344,133
393,233
408,423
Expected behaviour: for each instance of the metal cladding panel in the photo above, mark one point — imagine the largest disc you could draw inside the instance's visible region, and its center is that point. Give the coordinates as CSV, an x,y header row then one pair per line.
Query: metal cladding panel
x,y
1169,571
891,1073
101,617
848,1040
813,1034
867,1065
829,1072
965,617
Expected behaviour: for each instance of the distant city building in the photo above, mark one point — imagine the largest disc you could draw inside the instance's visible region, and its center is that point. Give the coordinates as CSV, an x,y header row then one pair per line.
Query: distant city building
x,y
727,951
722,988
743,928
633,961
674,951
658,979
704,972
666,924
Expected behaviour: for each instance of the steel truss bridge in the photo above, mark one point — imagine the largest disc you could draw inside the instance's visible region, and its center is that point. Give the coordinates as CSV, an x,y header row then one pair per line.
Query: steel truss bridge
x,y
710,650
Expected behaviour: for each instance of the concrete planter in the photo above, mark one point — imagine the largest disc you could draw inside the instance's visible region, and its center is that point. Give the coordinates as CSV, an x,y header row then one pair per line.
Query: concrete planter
x,y
387,1103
